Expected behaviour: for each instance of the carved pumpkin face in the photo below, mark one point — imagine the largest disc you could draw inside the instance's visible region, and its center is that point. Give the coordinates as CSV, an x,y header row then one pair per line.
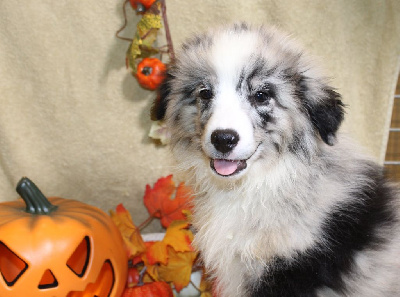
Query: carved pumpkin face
x,y
58,248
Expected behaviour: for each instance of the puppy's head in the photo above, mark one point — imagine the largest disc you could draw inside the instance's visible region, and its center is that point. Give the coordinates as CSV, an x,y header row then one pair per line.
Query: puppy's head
x,y
237,95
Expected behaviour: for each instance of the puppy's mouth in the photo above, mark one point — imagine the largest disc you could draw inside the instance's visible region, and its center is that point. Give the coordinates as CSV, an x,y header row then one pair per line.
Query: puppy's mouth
x,y
227,167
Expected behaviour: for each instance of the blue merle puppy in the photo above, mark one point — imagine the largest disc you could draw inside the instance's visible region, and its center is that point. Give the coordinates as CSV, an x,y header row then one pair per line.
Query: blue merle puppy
x,y
285,206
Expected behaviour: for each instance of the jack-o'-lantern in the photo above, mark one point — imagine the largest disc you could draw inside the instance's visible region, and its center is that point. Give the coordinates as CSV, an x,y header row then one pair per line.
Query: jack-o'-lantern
x,y
58,247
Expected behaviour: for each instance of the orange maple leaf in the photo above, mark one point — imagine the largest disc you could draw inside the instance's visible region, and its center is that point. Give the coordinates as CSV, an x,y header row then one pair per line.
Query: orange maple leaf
x,y
130,233
167,202
156,253
179,237
179,268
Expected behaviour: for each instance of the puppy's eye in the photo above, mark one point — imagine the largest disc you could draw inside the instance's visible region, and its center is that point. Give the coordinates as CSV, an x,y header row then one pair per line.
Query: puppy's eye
x,y
205,94
262,96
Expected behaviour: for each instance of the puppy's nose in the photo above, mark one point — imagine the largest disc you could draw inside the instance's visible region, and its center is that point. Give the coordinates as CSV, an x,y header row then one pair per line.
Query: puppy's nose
x,y
224,140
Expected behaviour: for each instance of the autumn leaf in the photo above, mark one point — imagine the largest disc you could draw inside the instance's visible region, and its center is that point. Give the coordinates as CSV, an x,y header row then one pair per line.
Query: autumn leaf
x,y
166,201
179,268
130,233
132,53
162,190
148,27
174,209
179,237
156,253
151,269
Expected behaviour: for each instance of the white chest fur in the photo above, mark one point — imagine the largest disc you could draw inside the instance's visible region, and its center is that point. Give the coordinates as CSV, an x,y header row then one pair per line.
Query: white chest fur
x,y
240,229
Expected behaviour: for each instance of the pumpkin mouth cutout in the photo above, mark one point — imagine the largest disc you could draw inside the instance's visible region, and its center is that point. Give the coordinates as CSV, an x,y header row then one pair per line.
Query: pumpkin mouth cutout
x,y
103,285
11,265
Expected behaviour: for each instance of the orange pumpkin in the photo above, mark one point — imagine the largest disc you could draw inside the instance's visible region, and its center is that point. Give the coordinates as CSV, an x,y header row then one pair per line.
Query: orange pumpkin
x,y
156,289
150,73
58,247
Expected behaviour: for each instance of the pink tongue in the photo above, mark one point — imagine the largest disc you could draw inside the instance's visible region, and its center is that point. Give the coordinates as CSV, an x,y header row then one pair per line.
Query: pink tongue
x,y
225,167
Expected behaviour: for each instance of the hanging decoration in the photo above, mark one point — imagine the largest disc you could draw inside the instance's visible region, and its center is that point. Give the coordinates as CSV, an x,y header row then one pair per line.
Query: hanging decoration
x,y
143,57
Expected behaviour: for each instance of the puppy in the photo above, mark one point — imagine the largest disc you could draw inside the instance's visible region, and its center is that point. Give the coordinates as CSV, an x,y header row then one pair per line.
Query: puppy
x,y
284,205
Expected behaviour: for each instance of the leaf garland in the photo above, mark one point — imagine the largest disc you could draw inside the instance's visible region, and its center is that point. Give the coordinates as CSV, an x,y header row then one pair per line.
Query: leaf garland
x,y
142,43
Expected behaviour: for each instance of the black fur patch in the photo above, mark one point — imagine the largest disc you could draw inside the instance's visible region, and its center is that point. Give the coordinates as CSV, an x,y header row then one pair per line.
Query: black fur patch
x,y
349,229
160,104
265,119
260,70
326,113
204,105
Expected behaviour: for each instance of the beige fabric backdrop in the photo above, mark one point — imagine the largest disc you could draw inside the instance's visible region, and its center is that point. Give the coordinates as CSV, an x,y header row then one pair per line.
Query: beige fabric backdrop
x,y
76,122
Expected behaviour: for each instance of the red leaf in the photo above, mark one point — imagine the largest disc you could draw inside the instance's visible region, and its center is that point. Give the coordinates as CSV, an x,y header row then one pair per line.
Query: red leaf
x,y
165,201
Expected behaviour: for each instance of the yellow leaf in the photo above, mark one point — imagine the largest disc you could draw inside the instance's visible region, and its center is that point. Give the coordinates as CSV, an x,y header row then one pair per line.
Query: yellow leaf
x,y
148,279
179,237
134,52
147,30
156,253
179,268
130,233
148,23
152,272
149,37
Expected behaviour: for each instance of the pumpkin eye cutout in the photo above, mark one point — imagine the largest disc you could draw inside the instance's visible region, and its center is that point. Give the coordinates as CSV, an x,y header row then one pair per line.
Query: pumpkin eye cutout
x,y
48,280
11,266
79,260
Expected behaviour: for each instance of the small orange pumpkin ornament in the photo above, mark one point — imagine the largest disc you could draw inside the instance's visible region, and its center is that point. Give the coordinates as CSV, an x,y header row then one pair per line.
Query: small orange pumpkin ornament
x,y
155,289
150,73
58,247
141,5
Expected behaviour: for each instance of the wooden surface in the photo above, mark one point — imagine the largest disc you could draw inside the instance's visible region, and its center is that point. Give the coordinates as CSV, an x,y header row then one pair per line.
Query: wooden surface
x,y
393,148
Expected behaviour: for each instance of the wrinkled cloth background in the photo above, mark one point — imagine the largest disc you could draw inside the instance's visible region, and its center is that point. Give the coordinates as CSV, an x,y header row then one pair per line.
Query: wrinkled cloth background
x,y
74,120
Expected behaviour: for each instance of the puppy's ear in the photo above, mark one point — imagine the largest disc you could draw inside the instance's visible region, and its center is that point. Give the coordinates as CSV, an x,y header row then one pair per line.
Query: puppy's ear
x,y
159,107
324,106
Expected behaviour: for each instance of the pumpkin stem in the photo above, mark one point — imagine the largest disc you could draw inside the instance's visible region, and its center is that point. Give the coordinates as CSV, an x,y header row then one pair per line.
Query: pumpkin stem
x,y
36,202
